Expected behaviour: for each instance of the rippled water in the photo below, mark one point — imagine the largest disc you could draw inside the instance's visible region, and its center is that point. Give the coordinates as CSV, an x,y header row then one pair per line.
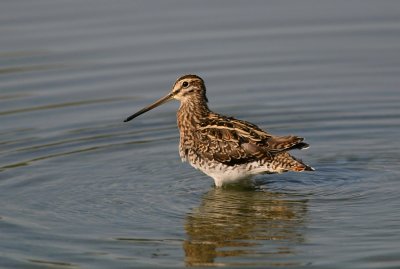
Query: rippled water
x,y
81,189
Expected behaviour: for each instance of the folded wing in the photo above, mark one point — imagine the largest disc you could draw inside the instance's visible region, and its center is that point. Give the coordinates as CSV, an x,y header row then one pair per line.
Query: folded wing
x,y
231,141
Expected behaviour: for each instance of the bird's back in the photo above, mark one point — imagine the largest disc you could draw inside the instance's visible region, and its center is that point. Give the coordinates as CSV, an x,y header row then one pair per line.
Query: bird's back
x,y
231,142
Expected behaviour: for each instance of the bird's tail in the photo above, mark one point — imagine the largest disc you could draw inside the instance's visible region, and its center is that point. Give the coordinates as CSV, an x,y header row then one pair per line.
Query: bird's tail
x,y
286,162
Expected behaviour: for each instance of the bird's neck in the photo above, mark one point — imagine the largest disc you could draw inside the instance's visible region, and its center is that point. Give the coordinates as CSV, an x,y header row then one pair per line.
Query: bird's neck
x,y
191,112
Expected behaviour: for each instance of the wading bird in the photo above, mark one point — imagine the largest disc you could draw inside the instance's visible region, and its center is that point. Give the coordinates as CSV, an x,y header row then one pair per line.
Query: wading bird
x,y
227,149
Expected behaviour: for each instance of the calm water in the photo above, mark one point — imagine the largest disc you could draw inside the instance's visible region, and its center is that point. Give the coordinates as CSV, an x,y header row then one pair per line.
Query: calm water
x,y
81,189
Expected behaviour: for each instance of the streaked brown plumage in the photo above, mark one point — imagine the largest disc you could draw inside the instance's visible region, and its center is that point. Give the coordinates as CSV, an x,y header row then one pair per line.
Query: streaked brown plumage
x,y
227,149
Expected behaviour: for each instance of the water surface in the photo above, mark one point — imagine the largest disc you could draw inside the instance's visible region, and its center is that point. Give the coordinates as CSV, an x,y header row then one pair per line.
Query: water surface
x,y
81,189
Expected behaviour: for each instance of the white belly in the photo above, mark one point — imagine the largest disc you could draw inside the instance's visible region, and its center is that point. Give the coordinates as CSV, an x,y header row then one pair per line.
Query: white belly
x,y
224,174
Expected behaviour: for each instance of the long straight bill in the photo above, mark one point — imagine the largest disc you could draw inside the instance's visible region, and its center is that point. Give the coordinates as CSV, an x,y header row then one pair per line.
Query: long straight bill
x,y
150,107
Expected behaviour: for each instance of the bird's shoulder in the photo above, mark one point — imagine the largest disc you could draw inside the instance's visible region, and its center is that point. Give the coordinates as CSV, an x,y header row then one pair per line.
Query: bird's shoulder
x,y
226,128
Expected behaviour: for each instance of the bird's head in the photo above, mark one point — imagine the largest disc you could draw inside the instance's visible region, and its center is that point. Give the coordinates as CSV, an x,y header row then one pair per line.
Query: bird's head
x,y
187,87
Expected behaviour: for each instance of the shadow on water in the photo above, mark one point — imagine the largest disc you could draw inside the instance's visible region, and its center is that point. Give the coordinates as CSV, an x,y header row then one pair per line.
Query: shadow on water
x,y
256,227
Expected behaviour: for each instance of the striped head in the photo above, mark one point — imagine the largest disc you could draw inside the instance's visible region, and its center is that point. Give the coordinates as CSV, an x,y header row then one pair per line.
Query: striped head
x,y
189,86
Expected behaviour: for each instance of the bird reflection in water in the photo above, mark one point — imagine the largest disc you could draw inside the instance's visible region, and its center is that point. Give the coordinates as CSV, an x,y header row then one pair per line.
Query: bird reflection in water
x,y
238,227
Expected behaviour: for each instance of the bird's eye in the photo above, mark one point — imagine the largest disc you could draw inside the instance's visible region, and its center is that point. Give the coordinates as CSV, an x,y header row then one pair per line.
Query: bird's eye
x,y
185,84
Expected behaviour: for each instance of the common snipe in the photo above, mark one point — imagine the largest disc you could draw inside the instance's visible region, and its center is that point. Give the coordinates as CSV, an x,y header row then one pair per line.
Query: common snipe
x,y
227,149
